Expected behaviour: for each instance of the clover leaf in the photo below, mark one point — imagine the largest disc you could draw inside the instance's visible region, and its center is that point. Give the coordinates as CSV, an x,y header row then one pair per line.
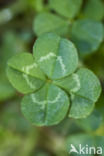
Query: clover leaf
x,y
87,35
94,9
48,106
84,88
48,22
56,56
52,82
66,8
24,73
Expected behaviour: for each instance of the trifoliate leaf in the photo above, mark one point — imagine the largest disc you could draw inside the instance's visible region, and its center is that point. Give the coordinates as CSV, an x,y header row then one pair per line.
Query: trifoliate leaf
x,y
56,57
92,122
87,35
47,22
66,8
24,73
47,106
94,9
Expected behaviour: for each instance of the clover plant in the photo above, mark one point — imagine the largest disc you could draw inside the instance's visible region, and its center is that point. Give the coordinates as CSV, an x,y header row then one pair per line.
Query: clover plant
x,y
51,75
68,18
53,84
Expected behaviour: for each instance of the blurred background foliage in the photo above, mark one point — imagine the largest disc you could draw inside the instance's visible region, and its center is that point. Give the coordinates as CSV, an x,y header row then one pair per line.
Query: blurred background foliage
x,y
21,21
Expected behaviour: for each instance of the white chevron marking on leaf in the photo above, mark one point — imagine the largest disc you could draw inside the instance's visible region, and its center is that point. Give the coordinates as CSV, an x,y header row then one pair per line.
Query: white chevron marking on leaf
x,y
59,58
28,81
29,67
77,80
48,56
43,103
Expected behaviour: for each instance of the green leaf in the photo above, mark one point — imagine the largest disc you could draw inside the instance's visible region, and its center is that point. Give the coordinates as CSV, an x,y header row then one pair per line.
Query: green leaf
x,y
84,99
94,9
70,83
87,35
24,62
57,57
92,122
81,107
66,8
48,22
84,89
24,73
47,106
50,77
90,84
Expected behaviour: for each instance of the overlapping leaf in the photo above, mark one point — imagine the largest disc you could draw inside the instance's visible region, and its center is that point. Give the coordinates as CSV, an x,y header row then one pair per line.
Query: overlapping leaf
x,y
84,88
51,79
66,8
87,35
48,22
56,56
24,73
48,106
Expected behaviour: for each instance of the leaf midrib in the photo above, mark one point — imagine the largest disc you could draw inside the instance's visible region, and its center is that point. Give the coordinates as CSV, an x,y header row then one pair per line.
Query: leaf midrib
x,y
54,64
26,73
76,94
